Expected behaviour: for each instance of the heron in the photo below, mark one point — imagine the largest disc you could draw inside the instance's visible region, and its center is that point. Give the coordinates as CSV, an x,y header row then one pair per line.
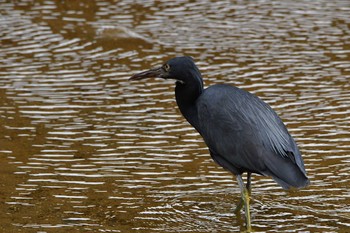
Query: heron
x,y
243,133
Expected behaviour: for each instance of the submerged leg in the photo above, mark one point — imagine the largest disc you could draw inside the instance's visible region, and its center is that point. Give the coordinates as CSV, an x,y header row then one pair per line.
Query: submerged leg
x,y
249,188
245,198
239,206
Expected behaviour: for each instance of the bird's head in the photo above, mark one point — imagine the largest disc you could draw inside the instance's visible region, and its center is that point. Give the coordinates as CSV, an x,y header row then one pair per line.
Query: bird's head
x,y
181,69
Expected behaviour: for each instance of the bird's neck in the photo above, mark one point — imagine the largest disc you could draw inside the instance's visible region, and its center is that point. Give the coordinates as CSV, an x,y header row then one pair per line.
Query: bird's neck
x,y
187,94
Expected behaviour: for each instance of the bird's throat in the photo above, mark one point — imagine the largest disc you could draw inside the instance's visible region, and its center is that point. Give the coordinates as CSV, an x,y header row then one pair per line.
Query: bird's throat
x,y
186,97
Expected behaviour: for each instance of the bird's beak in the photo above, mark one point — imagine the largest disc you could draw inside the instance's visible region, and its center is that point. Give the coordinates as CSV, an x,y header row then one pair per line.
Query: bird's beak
x,y
152,73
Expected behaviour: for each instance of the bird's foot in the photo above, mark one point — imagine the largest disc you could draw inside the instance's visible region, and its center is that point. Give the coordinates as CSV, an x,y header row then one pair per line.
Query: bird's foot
x,y
239,206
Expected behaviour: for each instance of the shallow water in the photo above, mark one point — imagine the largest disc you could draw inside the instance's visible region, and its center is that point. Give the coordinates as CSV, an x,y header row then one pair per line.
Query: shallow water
x,y
84,150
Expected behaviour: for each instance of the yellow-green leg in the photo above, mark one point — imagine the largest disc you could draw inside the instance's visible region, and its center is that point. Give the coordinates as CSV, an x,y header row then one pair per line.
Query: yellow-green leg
x,y
248,186
245,199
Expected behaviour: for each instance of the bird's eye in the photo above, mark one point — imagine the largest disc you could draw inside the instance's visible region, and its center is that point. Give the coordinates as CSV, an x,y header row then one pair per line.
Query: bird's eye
x,y
166,67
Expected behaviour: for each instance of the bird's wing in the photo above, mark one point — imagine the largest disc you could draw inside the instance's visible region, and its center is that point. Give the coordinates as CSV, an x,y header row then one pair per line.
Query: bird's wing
x,y
243,129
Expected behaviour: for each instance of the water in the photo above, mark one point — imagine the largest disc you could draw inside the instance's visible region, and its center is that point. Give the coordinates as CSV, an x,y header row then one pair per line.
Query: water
x,y
84,150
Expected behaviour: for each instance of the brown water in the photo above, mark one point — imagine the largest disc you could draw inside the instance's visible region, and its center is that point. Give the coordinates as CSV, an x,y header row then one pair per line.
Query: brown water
x,y
84,150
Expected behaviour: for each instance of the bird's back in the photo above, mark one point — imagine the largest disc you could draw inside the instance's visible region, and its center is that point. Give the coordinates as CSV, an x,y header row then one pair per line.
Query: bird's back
x,y
244,134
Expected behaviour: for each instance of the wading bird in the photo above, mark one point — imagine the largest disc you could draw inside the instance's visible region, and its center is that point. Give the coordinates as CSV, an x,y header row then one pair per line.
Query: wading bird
x,y
242,132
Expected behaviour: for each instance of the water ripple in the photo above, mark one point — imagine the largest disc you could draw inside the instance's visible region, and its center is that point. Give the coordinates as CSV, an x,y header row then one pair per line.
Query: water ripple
x,y
84,148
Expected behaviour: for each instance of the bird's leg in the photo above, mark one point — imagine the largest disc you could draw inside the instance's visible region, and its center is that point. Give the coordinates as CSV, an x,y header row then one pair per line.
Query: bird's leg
x,y
249,181
245,198
239,206
249,188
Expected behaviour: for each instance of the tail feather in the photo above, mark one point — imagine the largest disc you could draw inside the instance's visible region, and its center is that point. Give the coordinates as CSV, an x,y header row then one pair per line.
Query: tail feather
x,y
286,173
287,185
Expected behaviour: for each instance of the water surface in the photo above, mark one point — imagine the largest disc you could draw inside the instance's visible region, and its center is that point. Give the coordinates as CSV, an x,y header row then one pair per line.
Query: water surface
x,y
84,150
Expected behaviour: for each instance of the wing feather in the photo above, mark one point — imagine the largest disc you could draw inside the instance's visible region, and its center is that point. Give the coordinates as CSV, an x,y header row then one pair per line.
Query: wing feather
x,y
243,129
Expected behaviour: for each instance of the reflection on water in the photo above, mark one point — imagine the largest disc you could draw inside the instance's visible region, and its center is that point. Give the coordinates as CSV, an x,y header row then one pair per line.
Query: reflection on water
x,y
82,148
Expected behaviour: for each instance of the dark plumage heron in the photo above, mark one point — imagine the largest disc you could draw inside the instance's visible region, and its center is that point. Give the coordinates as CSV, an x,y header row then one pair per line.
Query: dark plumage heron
x,y
242,132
